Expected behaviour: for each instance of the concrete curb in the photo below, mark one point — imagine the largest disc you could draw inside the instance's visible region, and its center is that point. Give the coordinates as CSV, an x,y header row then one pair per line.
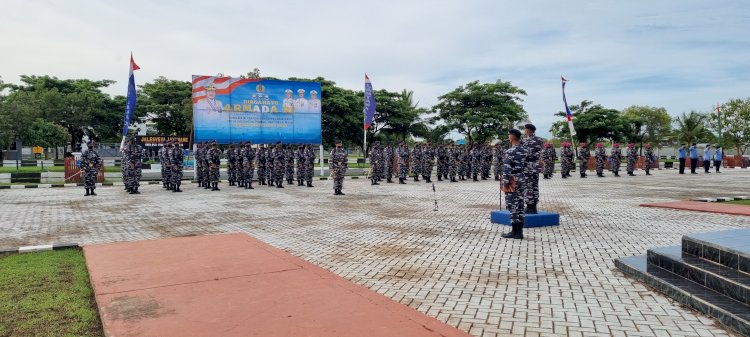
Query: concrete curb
x,y
39,248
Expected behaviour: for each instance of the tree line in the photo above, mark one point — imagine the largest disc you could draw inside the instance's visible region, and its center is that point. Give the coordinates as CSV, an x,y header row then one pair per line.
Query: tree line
x,y
51,112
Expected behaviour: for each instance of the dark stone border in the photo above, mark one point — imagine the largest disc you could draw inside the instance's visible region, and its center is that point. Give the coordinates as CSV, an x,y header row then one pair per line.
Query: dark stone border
x,y
54,246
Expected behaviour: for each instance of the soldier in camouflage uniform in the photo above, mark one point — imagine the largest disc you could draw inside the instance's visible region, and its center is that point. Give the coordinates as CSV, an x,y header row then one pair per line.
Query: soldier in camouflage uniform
x,y
89,165
271,166
214,163
632,158
600,155
453,161
498,160
163,155
584,154
197,158
289,166
548,158
309,157
615,159
206,167
338,163
124,163
229,154
299,155
376,163
176,158
416,161
403,162
388,162
487,156
648,159
441,160
463,162
135,156
249,165
514,165
533,147
261,165
476,162
240,162
428,162
279,165
566,160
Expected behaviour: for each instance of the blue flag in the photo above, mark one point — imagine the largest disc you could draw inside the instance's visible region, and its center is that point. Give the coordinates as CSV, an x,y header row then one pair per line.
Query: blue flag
x,y
130,100
370,103
567,110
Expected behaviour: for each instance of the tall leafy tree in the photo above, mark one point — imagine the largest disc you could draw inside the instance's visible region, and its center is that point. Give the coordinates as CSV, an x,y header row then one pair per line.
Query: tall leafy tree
x,y
655,123
692,128
734,123
404,120
593,123
481,111
170,104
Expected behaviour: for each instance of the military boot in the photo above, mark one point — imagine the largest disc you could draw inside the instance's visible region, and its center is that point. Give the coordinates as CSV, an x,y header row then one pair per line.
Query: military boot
x,y
92,191
87,193
440,178
389,181
518,233
249,185
511,234
176,188
309,184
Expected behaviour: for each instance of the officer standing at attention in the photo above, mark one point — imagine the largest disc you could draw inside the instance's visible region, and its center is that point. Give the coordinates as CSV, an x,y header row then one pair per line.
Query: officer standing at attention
x,y
376,162
428,162
403,162
632,158
693,159
289,167
249,166
566,160
231,164
214,162
682,156
135,155
388,162
175,158
649,159
615,159
533,147
416,161
718,157
583,156
600,155
498,154
279,164
548,158
337,163
310,164
90,163
707,158
514,164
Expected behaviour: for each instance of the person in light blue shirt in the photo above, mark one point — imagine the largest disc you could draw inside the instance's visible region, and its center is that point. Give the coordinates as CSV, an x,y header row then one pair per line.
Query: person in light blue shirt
x,y
683,155
718,157
707,158
693,159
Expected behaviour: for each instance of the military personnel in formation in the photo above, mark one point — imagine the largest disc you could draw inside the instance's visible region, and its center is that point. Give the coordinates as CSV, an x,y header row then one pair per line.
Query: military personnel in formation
x,y
498,154
648,160
309,157
299,156
416,161
135,156
453,154
231,164
632,158
175,158
584,154
89,165
548,158
239,172
271,166
388,162
599,156
566,160
615,159
261,155
403,162
442,162
289,166
338,163
124,164
376,163
163,155
198,158
533,147
428,161
464,164
476,162
250,154
214,164
279,161
486,161
206,166
514,164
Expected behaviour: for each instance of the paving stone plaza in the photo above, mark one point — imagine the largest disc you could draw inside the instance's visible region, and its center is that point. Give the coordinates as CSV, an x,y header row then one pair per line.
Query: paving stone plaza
x,y
451,263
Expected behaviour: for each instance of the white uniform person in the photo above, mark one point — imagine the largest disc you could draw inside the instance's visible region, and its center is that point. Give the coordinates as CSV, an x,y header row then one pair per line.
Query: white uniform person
x,y
288,101
300,103
210,104
314,102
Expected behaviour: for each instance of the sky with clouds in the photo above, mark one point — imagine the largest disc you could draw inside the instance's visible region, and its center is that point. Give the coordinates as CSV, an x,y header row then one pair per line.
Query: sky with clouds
x,y
680,54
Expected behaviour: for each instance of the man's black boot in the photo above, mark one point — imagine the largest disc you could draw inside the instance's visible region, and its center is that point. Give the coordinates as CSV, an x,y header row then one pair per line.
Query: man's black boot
x,y
87,193
518,234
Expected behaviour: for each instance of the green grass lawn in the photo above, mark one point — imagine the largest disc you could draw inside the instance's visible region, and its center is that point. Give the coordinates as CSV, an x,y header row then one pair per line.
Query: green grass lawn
x,y
739,202
47,294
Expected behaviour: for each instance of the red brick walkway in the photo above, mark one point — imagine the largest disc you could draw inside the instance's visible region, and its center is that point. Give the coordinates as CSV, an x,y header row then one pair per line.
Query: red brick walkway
x,y
235,285
699,206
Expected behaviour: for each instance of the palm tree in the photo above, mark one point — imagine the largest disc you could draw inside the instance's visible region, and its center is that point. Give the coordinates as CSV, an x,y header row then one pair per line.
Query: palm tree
x,y
406,120
691,128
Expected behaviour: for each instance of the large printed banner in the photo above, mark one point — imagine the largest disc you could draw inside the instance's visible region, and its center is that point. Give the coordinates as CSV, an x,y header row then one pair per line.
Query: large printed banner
x,y
228,109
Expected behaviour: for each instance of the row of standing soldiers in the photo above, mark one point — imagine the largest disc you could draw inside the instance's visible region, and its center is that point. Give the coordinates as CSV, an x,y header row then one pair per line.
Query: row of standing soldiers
x,y
130,164
568,156
171,157
274,164
454,162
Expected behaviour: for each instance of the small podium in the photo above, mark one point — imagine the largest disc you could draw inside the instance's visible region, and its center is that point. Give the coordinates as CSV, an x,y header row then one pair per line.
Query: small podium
x,y
541,219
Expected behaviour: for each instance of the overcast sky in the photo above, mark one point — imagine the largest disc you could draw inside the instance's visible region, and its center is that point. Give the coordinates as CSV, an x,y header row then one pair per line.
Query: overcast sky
x,y
680,54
